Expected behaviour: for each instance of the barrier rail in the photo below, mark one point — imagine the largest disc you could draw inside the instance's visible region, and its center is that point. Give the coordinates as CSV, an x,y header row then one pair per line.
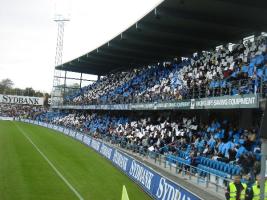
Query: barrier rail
x,y
200,176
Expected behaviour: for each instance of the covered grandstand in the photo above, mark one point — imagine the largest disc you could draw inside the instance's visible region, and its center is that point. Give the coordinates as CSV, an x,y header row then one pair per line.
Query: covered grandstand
x,y
185,86
174,29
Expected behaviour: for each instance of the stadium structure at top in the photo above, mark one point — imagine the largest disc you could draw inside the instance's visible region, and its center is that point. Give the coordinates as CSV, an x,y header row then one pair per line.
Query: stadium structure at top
x,y
174,29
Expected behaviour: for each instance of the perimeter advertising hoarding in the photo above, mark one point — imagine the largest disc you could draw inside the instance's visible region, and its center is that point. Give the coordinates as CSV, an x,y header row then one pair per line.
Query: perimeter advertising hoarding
x,y
6,118
153,183
223,102
26,100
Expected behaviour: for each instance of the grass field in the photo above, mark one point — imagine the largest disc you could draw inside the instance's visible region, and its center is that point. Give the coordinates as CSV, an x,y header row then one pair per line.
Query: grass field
x,y
36,163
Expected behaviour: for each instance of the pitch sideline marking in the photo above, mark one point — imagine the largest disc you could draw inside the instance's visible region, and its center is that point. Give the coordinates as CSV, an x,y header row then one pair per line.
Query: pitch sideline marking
x,y
51,164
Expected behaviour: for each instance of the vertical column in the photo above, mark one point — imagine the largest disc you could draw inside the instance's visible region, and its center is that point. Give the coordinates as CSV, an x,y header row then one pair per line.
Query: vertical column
x,y
64,86
263,167
81,80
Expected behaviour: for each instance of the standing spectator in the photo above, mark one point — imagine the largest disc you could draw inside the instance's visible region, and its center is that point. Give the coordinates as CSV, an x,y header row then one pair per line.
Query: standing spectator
x,y
236,190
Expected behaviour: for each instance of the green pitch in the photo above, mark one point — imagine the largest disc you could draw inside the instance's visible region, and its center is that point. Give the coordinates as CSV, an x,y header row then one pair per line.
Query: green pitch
x,y
36,163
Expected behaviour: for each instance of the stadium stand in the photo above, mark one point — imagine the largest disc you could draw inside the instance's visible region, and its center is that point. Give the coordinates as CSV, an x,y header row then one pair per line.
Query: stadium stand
x,y
143,65
24,111
217,145
241,70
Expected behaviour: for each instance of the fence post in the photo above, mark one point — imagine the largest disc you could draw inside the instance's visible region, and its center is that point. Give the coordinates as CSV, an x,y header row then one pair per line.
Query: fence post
x,y
190,172
176,167
193,92
207,180
221,90
239,86
198,175
261,88
217,183
183,170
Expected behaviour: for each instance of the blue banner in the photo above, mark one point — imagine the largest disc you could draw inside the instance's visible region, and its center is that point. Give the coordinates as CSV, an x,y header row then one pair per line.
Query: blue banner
x,y
156,185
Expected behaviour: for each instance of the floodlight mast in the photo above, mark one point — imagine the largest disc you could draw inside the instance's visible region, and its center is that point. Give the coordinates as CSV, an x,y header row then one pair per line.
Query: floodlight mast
x,y
57,93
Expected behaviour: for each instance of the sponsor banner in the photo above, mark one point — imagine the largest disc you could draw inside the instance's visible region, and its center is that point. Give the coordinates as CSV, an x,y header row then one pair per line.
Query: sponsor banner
x,y
144,106
153,183
172,105
87,140
6,118
79,136
226,102
12,99
106,151
121,161
223,102
121,107
72,133
95,144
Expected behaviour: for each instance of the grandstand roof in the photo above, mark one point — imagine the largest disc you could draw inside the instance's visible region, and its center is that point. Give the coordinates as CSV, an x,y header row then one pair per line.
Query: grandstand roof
x,y
175,28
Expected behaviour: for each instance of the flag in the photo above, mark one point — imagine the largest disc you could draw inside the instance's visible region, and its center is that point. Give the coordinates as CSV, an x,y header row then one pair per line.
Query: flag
x,y
124,195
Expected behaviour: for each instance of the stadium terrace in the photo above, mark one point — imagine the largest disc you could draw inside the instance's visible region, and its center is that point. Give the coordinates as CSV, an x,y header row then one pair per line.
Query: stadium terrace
x,y
178,103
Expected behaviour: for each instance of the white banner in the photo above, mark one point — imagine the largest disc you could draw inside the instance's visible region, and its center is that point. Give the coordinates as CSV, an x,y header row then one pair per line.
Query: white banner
x,y
6,118
26,100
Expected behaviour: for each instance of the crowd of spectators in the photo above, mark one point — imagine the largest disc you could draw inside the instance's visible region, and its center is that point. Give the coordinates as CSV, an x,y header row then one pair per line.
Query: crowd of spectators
x,y
173,134
20,110
94,93
241,70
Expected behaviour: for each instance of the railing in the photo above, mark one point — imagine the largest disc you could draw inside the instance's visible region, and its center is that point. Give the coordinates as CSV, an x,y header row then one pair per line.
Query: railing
x,y
193,173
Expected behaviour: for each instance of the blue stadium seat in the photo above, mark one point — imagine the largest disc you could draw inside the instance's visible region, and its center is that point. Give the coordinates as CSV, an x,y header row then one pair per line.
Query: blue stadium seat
x,y
259,73
259,60
217,167
244,69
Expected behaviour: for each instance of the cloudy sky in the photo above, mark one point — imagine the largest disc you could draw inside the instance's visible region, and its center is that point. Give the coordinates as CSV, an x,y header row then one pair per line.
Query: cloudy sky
x,y
28,33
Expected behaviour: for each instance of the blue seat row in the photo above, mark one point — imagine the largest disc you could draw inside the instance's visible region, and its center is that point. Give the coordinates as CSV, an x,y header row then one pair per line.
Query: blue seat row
x,y
221,166
174,159
183,154
203,170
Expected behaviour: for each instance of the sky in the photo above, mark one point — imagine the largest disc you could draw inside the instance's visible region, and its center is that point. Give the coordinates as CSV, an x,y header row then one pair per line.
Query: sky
x,y
28,33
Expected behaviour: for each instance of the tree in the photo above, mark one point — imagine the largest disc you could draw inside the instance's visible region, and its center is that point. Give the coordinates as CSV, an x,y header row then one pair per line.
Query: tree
x,y
5,84
18,91
6,88
39,94
29,92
